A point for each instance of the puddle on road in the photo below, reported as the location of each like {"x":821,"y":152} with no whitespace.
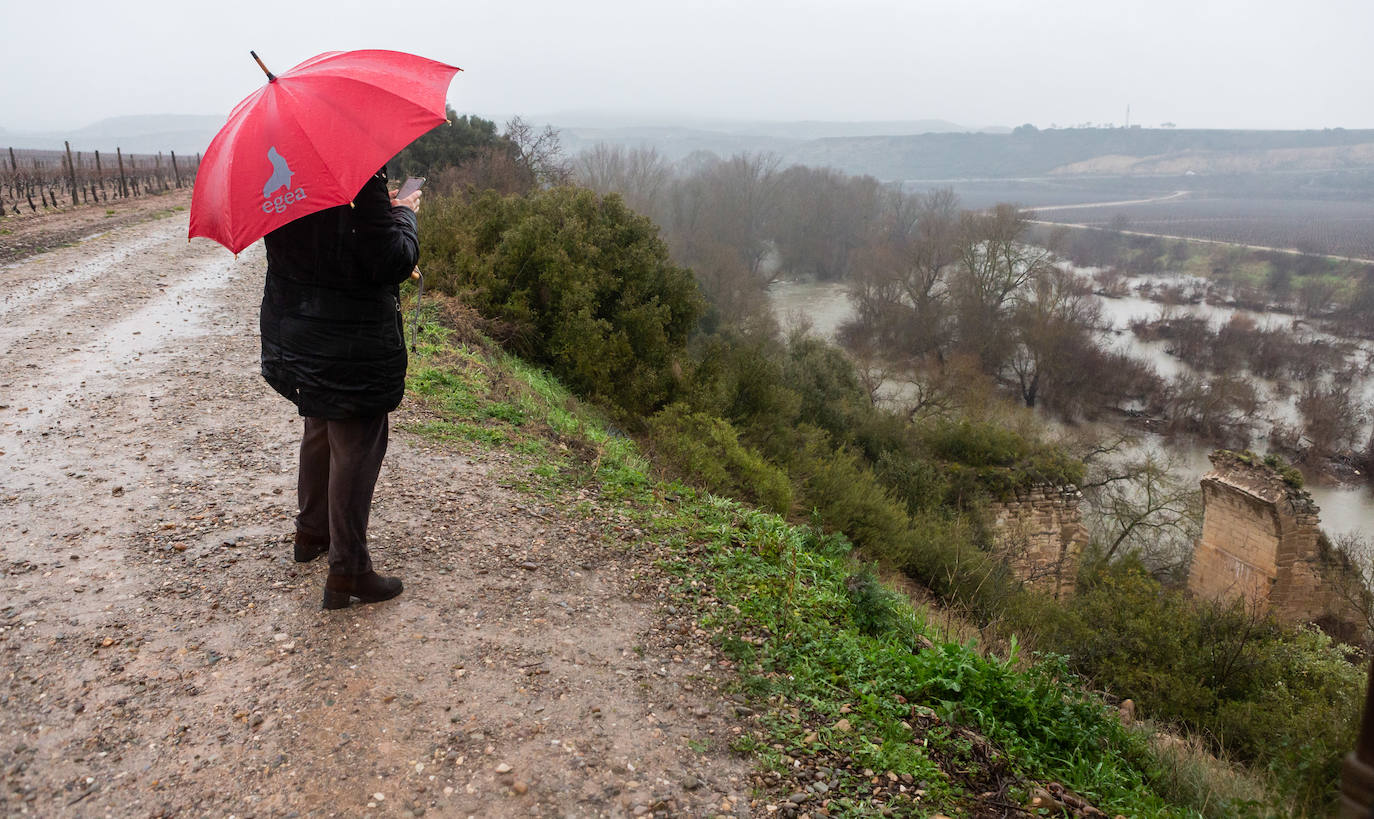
{"x":178,"y":312}
{"x":32,"y":295}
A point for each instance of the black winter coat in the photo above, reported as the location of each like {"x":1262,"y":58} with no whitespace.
{"x":332,"y":331}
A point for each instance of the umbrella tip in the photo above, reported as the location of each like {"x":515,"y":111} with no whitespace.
{"x":270,"y":76}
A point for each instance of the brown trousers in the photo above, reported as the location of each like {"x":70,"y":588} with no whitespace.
{"x":340,"y":461}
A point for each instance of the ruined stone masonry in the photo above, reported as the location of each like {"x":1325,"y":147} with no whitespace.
{"x":1040,"y":533}
{"x":1262,"y":540}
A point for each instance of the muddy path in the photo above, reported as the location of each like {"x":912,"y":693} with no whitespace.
{"x":161,"y":654}
{"x":30,"y":232}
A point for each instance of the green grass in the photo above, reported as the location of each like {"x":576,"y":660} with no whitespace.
{"x":842,"y":672}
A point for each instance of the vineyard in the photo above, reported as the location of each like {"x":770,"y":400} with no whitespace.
{"x":31,"y":180}
{"x":1337,"y":228}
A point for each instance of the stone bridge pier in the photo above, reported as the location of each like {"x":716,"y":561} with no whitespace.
{"x":1262,"y":541}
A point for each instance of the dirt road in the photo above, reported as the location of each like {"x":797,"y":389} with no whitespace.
{"x":162,"y":654}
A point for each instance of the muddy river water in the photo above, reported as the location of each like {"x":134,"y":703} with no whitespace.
{"x":1344,"y":509}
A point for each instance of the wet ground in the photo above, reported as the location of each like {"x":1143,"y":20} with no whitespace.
{"x":160,"y":653}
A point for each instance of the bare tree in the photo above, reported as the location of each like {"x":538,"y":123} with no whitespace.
{"x":539,"y":151}
{"x":993,"y":269}
{"x":1137,"y":505}
{"x":640,"y":175}
{"x":898,"y":286}
{"x":1348,"y":568}
{"x":1218,"y":409}
{"x":1051,"y":321}
{"x":825,"y":216}
{"x":1331,"y":415}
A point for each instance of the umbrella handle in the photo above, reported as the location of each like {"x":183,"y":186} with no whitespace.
{"x":415,"y":324}
{"x":270,"y":76}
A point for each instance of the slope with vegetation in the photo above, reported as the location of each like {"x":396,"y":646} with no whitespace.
{"x":848,"y":679}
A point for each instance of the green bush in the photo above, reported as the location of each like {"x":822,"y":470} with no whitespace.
{"x":982,"y":457}
{"x":846,"y":496}
{"x":1285,"y":701}
{"x":920,"y":483}
{"x":447,"y":146}
{"x":875,"y":607}
{"x":706,"y":451}
{"x":580,"y":283}
{"x":825,"y":380}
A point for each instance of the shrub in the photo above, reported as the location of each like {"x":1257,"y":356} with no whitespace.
{"x":583,"y":284}
{"x":875,"y":607}
{"x":982,"y":456}
{"x":706,"y":451}
{"x":446,"y":146}
{"x":846,"y":495}
{"x":1284,"y":701}
{"x":939,"y":550}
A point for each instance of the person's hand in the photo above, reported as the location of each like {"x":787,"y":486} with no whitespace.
{"x":412,"y":201}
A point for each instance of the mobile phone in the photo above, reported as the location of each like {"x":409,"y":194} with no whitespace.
{"x":412,"y":184}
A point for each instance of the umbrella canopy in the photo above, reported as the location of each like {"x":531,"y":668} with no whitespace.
{"x":310,"y":138}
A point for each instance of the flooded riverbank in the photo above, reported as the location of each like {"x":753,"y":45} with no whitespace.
{"x":1345,"y":509}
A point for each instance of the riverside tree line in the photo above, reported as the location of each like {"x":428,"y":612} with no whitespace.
{"x":937,"y":289}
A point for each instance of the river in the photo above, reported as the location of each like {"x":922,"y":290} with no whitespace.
{"x":1344,"y":509}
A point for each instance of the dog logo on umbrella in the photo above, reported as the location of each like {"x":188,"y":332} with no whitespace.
{"x":280,"y":178}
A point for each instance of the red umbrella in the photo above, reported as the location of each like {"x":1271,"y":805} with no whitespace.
{"x":310,"y":138}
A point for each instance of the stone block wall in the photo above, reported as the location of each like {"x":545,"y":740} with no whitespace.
{"x":1262,"y":540}
{"x":1236,"y":555}
{"x":1040,"y":533}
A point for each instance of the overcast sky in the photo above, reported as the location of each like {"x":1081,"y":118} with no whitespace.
{"x":1197,"y":63}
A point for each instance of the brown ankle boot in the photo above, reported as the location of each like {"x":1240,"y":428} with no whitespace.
{"x":369,"y":588}
{"x":309,"y":547}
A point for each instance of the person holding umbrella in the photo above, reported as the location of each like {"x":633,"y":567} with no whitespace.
{"x":297,"y":162}
{"x":332,"y":343}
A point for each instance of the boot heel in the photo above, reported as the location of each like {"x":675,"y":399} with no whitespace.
{"x":335,"y":599}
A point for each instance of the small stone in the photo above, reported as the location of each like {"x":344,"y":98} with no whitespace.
{"x":529,"y":566}
{"x":691,"y":783}
{"x":377,"y":797}
{"x":843,"y":726}
{"x":503,"y":768}
{"x":799,"y":797}
{"x":520,"y":788}
{"x":1127,"y":712}
{"x":743,"y":711}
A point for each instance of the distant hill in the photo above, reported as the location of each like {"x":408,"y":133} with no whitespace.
{"x":1029,"y":153}
{"x":942,"y":150}
{"x":679,"y":137}
{"x":134,"y":134}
